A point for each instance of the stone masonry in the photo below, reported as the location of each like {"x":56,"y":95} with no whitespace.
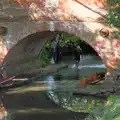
{"x":83,"y":18}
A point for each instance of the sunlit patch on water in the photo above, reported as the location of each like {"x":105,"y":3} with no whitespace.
{"x":93,"y":66}
{"x":89,"y":66}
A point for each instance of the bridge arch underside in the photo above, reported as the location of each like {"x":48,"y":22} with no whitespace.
{"x":89,"y":32}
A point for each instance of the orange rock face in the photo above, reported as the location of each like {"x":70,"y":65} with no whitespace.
{"x":92,"y":79}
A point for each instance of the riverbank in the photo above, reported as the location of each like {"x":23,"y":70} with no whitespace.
{"x":31,"y":102}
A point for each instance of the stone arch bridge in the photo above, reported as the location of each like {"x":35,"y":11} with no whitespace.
{"x":21,"y":20}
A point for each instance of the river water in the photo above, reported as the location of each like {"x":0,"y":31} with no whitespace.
{"x":39,"y":102}
{"x":65,"y":82}
{"x":68,"y":79}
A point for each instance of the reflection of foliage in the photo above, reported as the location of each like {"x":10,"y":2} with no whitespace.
{"x":73,"y":103}
{"x":114,"y":13}
{"x":111,"y":111}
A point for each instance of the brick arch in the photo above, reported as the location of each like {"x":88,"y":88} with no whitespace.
{"x":77,"y":29}
{"x":45,"y":15}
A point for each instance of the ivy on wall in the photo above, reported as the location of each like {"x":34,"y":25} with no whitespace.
{"x":114,"y":13}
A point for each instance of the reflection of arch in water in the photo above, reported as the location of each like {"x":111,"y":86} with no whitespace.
{"x":51,"y":85}
{"x":75,"y":103}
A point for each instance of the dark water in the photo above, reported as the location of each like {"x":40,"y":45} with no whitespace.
{"x":65,"y":82}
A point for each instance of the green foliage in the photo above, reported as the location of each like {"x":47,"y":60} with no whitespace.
{"x":48,"y":45}
{"x":114,"y":18}
{"x":66,"y":39}
{"x":113,"y":2}
{"x":69,"y":39}
{"x":111,"y":111}
{"x":114,"y":13}
{"x":45,"y":59}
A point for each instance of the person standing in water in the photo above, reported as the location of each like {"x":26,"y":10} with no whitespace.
{"x":53,"y":49}
{"x":77,"y":53}
{"x":56,"y":49}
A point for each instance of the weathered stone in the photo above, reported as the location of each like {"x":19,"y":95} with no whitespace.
{"x":23,"y":18}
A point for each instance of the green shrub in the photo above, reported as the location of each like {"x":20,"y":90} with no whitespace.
{"x":110,"y":111}
{"x":45,"y":59}
{"x":113,"y":16}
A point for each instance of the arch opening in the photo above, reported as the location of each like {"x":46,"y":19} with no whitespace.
{"x":35,"y":46}
{"x":31,"y":47}
{"x":33,"y":55}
